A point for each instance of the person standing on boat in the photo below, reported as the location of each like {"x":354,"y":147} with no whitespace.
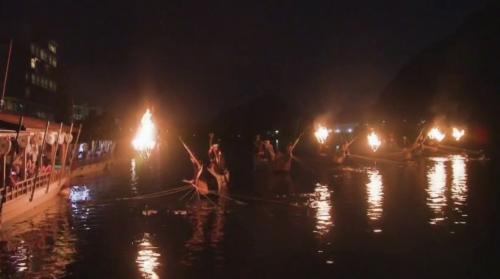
{"x":269,"y":151}
{"x":215,"y":156}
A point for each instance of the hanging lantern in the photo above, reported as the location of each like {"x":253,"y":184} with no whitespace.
{"x":51,"y":138}
{"x":61,"y":138}
{"x":5,"y":145}
{"x":68,"y":138}
{"x":38,"y":138}
{"x":23,"y":141}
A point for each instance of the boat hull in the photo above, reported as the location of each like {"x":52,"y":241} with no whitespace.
{"x":21,"y":205}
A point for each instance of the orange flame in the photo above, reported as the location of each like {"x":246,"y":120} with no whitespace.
{"x":458,"y":134}
{"x":322,"y":134}
{"x":145,"y":139}
{"x":436,"y":134}
{"x":374,"y":141}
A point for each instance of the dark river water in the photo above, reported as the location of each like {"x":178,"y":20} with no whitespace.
{"x":435,"y":218}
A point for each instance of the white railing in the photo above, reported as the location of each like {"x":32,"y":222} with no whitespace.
{"x":25,"y":187}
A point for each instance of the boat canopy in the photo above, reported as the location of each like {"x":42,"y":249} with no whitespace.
{"x":10,"y":121}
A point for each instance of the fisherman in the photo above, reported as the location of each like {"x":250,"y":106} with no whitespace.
{"x":216,"y":158}
{"x":269,"y":151}
{"x":217,"y":166}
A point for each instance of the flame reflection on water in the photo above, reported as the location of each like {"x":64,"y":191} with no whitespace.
{"x":133,"y":176}
{"x":436,"y":180}
{"x":320,"y":200}
{"x":459,"y":186}
{"x":375,"y":198}
{"x":147,"y":258}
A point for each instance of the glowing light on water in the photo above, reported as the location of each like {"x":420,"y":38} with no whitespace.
{"x":436,"y":134}
{"x":148,"y":258}
{"x":375,"y":197}
{"x":458,"y":134}
{"x":374,"y":141}
{"x":133,"y":176}
{"x":79,"y":193}
{"x":145,"y":138}
{"x":436,"y":186}
{"x":322,"y":133}
{"x":459,"y":186}
{"x":321,"y":201}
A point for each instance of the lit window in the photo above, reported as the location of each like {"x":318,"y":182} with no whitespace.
{"x":33,"y":62}
{"x":52,"y":48}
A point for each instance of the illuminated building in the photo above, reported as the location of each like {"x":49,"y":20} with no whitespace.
{"x":82,"y":112}
{"x":33,"y":84}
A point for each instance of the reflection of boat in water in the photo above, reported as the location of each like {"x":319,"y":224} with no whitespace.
{"x":208,"y":224}
{"x":40,"y":247}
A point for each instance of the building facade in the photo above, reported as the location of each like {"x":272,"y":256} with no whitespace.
{"x":33,"y":86}
{"x":83,"y":112}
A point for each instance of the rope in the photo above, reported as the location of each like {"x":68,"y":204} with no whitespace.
{"x":266,"y":200}
{"x":157,"y":194}
{"x":231,"y":199}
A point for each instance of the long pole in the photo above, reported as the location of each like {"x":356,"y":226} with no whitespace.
{"x":21,"y":120}
{"x":16,"y":150}
{"x":2,"y":101}
{"x":74,"y":148}
{"x":4,"y":184}
{"x":54,"y":156}
{"x":65,"y":156}
{"x":37,"y":171}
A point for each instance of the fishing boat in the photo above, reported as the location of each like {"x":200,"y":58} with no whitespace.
{"x":202,"y":176}
{"x":36,"y":160}
{"x":266,"y":159}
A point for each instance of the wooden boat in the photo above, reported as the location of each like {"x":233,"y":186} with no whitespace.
{"x":266,"y":159}
{"x":200,"y":181}
{"x":29,"y":154}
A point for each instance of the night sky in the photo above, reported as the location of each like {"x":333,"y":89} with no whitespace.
{"x":204,"y":56}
